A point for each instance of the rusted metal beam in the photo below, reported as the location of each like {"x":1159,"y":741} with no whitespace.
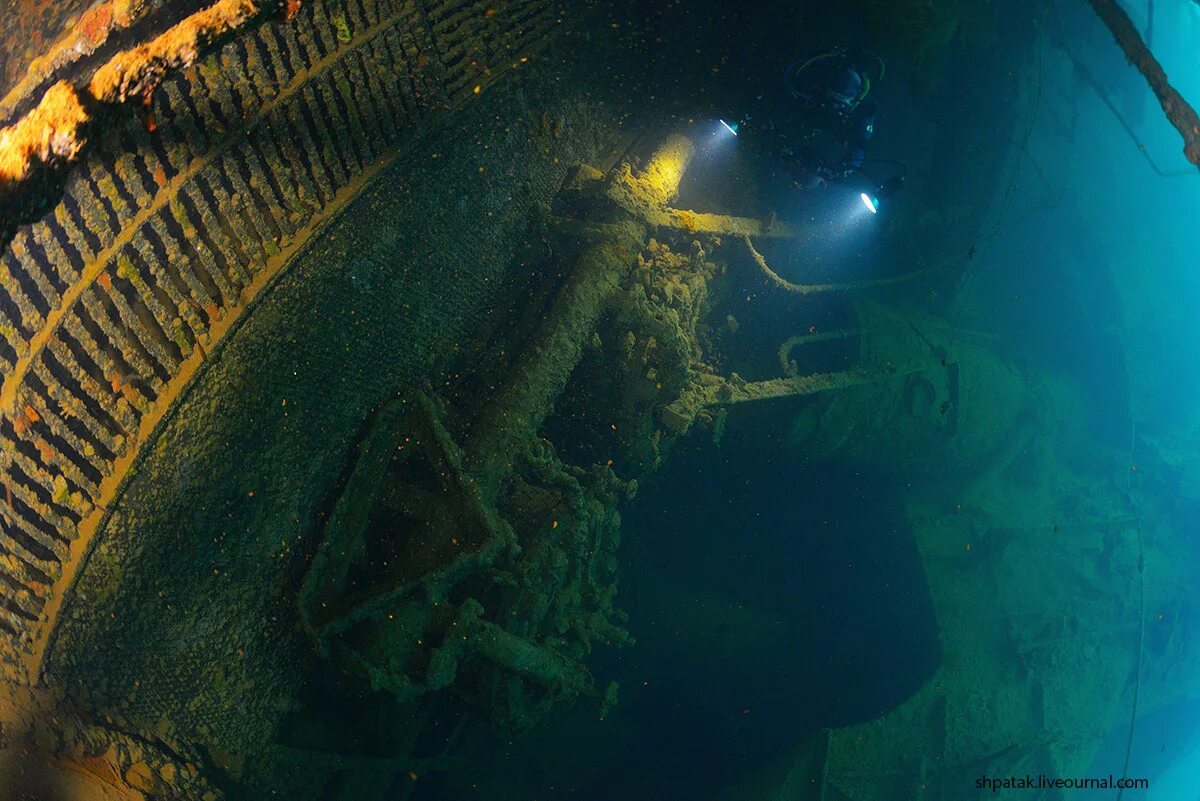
{"x":1177,"y":109}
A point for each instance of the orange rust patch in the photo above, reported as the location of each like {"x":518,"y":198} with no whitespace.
{"x":100,"y":766}
{"x":95,"y":24}
{"x":45,"y":451}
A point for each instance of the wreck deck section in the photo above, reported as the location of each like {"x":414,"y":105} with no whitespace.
{"x":175,"y":223}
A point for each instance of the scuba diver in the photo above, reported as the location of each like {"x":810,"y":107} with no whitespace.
{"x":825,"y":117}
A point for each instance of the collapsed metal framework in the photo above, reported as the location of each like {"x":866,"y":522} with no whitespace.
{"x":112,"y":300}
{"x":466,"y":552}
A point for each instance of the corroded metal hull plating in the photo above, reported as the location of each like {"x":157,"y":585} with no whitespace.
{"x":110,"y":303}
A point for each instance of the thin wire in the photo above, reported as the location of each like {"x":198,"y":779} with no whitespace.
{"x":1137,"y":668}
{"x":1087,"y":77}
{"x":818,"y":289}
{"x":1010,"y":191}
{"x":892,"y":162}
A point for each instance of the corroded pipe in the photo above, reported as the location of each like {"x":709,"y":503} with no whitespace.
{"x":1178,"y":111}
{"x":658,"y":183}
{"x":512,"y":418}
{"x":543,"y":665}
{"x":515,"y":414}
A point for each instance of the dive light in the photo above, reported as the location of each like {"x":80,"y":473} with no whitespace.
{"x":887,"y":189}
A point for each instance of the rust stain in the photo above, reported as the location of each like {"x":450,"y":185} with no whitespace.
{"x":96,"y":24}
{"x":44,"y":451}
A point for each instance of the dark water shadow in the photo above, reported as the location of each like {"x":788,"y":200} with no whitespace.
{"x":771,"y":598}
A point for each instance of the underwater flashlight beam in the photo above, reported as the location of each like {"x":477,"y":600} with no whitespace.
{"x":888,"y":188}
{"x":731,"y":128}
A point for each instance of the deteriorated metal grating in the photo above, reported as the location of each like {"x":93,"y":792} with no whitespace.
{"x":109,"y":302}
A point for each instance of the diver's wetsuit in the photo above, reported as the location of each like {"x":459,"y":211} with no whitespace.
{"x":824,"y":120}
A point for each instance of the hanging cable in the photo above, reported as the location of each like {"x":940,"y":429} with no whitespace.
{"x":1141,"y":566}
{"x":1010,"y":191}
{"x":1174,"y":106}
{"x":1088,"y":78}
